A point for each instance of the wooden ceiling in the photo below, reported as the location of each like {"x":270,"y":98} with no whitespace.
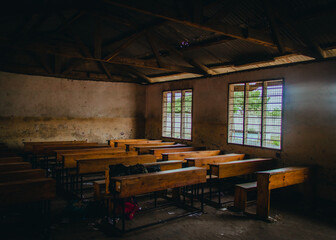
{"x":142,"y":41}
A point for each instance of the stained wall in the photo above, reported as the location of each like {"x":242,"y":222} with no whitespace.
{"x":35,"y":108}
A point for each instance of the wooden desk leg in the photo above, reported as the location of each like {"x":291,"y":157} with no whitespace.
{"x":210,"y":183}
{"x":263,"y":200}
{"x":240,"y":199}
{"x":176,"y":194}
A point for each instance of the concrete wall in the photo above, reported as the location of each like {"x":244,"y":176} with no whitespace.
{"x":309,"y":126}
{"x":34,"y":108}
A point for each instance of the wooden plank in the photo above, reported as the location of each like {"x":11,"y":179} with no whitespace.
{"x":242,"y":167}
{"x":113,"y":142}
{"x":123,"y":144}
{"x":132,"y":185}
{"x":277,"y":178}
{"x":69,"y":160}
{"x":145,"y":149}
{"x":85,"y":166}
{"x":39,"y":148}
{"x":49,"y":151}
{"x":131,"y":146}
{"x":11,"y":159}
{"x":284,"y":177}
{"x":6,"y":167}
{"x":26,"y":191}
{"x":164,"y":166}
{"x":158,"y":151}
{"x":204,"y":161}
{"x":108,"y":149}
{"x":167,"y":165}
{"x":21,"y":175}
{"x":28,"y":146}
{"x":190,"y":154}
{"x":6,"y":153}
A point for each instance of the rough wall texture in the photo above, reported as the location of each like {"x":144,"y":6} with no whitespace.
{"x":34,"y":108}
{"x":309,"y":122}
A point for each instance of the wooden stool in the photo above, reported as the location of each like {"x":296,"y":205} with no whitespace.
{"x":241,"y":194}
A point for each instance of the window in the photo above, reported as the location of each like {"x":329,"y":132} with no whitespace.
{"x":177,"y":114}
{"x":255,"y":113}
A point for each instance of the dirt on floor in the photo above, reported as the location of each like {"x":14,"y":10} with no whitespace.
{"x":291,"y":218}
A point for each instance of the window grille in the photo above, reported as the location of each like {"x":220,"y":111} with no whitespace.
{"x":177,"y":114}
{"x":255,"y":113}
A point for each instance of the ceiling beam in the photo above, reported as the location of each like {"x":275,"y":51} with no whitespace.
{"x":42,"y":60}
{"x":274,"y":27}
{"x":254,"y":36}
{"x":313,"y":49}
{"x":124,"y":45}
{"x":130,"y":37}
{"x":76,"y":75}
{"x":190,"y":61}
{"x":223,"y":12}
{"x":71,"y":52}
{"x":154,"y":48}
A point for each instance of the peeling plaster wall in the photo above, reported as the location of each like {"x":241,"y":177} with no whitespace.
{"x":309,"y":122}
{"x":34,"y":108}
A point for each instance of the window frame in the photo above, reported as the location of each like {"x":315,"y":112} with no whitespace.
{"x":282,"y":112}
{"x":192,"y":113}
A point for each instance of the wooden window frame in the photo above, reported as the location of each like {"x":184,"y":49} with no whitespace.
{"x":262,"y":113}
{"x":182,"y":113}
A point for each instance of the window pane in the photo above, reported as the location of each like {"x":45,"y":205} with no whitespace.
{"x":166,"y":114}
{"x":272,"y":114}
{"x":253,"y":109}
{"x":255,"y":113}
{"x":177,"y":114}
{"x":186,"y":114}
{"x":236,"y":113}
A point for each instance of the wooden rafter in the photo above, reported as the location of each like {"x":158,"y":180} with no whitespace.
{"x":41,"y":60}
{"x":126,"y":43}
{"x":43,"y":47}
{"x":154,"y":48}
{"x":222,"y":12}
{"x":254,"y":36}
{"x":274,"y":27}
{"x":312,"y":49}
{"x":191,"y":61}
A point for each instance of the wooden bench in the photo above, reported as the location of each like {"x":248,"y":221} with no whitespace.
{"x":11,"y":159}
{"x":241,"y":191}
{"x":7,"y":153}
{"x":69,"y":160}
{"x":277,"y":178}
{"x":114,"y":143}
{"x":242,"y":167}
{"x":100,"y":185}
{"x":157,"y":152}
{"x":6,"y":167}
{"x":190,"y":154}
{"x":145,"y":149}
{"x":87,"y":167}
{"x":28,"y":146}
{"x":237,"y":168}
{"x":132,"y":185}
{"x":21,"y":175}
{"x":83,"y":150}
{"x":123,"y":144}
{"x":131,"y":146}
{"x":204,"y":161}
{"x":49,"y":150}
{"x":26,"y":191}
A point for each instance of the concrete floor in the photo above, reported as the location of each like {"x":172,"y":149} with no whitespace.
{"x":291,"y":220}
